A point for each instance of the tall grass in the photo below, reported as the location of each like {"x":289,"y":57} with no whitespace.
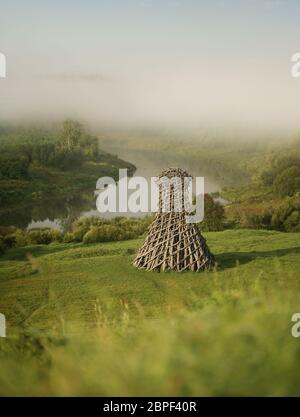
{"x":94,"y":325}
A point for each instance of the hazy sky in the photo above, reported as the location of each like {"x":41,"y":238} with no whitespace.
{"x":155,"y":62}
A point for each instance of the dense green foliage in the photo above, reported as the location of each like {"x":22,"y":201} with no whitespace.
{"x":282,"y":215}
{"x":66,"y":148}
{"x":286,"y":217}
{"x":287,"y":183}
{"x":283,"y":175}
{"x":95,"y":229}
{"x":278,"y":165}
{"x":272,"y":199}
{"x":214,"y":215}
{"x":90,"y":229}
{"x":46,"y":172}
{"x":81,"y":320}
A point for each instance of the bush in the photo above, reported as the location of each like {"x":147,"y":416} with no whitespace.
{"x":69,"y":238}
{"x":292,"y":223}
{"x":81,"y":226}
{"x":281,"y":215}
{"x":86,"y":229}
{"x":44,"y":236}
{"x":214,"y":215}
{"x":9,"y":241}
{"x":2,"y":246}
{"x":286,"y":217}
{"x":21,"y":238}
{"x":7,"y":230}
{"x":287,"y":183}
{"x":107,"y":233}
{"x":250,"y":215}
{"x":96,"y":229}
{"x":257,"y":220}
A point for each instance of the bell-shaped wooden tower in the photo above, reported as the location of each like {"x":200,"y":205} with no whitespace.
{"x":172,"y":243}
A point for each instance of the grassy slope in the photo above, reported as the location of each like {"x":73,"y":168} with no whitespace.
{"x":82,"y":320}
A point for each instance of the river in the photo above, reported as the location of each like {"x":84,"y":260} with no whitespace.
{"x":148,"y":164}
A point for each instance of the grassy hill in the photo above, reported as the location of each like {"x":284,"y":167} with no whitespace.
{"x":82,"y":321}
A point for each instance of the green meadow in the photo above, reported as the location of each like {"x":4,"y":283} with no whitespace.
{"x":81,"y":320}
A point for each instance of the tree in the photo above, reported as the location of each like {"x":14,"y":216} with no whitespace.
{"x":286,"y":216}
{"x":287,"y":183}
{"x":71,"y":134}
{"x":214,"y":215}
{"x":279,"y":165}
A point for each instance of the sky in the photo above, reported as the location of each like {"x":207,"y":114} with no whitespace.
{"x":171,"y":63}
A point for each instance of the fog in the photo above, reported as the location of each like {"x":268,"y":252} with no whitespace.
{"x":176,"y":65}
{"x":178,"y":98}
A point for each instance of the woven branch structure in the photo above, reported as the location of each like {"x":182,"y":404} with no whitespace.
{"x":171,"y":242}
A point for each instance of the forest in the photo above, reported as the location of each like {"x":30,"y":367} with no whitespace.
{"x":45,"y":169}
